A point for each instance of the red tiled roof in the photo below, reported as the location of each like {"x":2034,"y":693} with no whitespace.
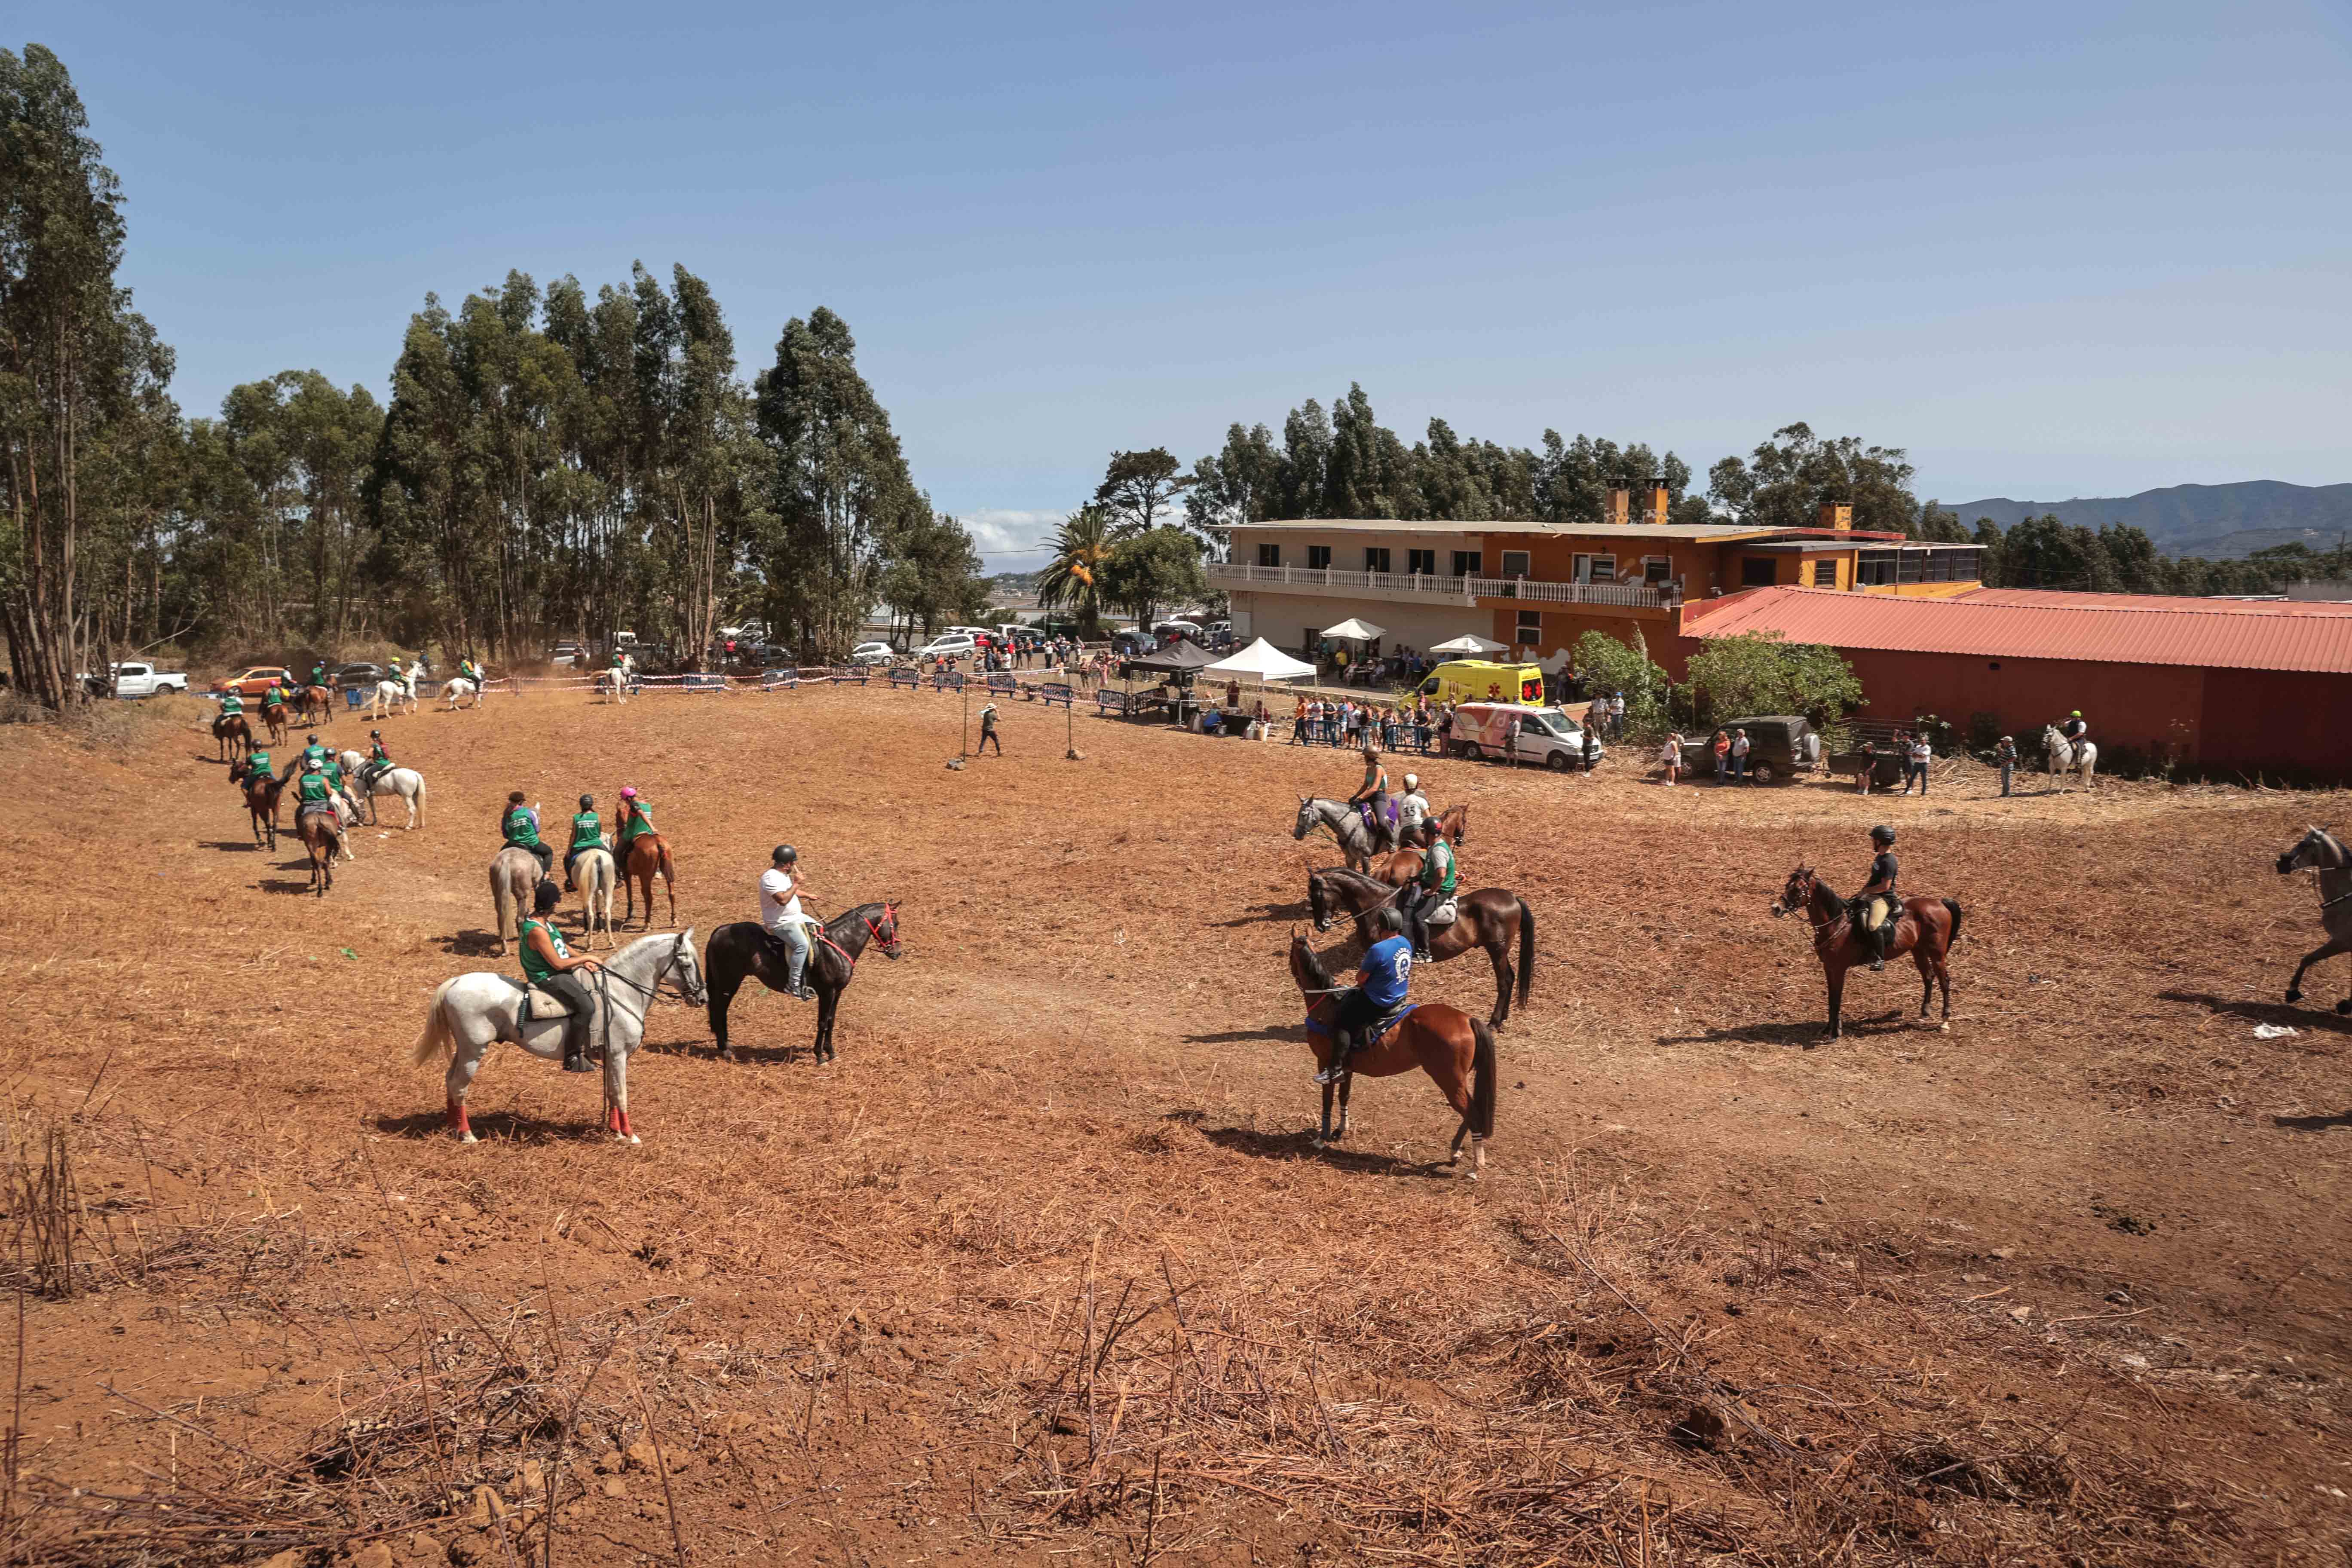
{"x":2020,"y":622}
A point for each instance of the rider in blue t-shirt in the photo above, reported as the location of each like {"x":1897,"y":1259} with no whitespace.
{"x":1382,"y":982}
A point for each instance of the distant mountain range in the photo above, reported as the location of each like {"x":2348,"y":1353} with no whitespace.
{"x":2218,"y":521}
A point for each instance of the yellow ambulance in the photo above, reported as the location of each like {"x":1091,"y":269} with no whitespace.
{"x":1477,"y":680}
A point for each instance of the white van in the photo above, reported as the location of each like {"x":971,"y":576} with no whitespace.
{"x":1546,"y":736}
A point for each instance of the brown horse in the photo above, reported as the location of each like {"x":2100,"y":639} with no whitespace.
{"x":261,"y":791}
{"x":322,"y":838}
{"x":1925,"y":928}
{"x":314,"y":704}
{"x":1455,"y":1049}
{"x":647,"y":854}
{"x":273,"y":717}
{"x":1494,"y":918}
{"x":235,"y":736}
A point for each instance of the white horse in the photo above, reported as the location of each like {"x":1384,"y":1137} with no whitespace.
{"x":389,"y":694}
{"x":2320,"y":850}
{"x":594,"y":874}
{"x":405,"y":783}
{"x":613,"y":685}
{"x":469,"y":1012}
{"x":1346,"y":825}
{"x":459,"y":690}
{"x":2079,"y":757}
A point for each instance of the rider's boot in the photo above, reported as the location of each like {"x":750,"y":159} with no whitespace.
{"x":1878,"y":948}
{"x":796,"y":972}
{"x":1340,"y":1046}
{"x":575,"y":1044}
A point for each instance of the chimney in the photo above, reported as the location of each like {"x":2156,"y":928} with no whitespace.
{"x":1837,"y":514}
{"x":1658,"y":499}
{"x":1620,"y":503}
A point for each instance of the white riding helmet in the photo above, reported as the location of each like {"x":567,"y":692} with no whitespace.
{"x":1413,"y":781}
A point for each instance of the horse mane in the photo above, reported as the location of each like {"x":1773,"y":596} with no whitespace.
{"x":1342,"y":873}
{"x":1314,"y":965}
{"x":1821,"y":885}
{"x":859,"y":912}
{"x":2333,"y":846}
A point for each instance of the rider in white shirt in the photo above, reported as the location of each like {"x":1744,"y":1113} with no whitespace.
{"x":1412,"y":810}
{"x":779,"y":916}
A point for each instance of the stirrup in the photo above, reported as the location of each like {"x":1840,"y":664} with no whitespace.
{"x":579,"y":1063}
{"x":1333,"y":1073}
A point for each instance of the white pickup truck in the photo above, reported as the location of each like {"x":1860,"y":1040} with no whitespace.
{"x":133,"y":679}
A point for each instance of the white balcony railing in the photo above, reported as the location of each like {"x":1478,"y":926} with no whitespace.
{"x":1460,"y":590}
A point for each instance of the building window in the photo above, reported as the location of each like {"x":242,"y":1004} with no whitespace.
{"x":1657,"y":569}
{"x":1318,"y":557}
{"x":1515,"y":563}
{"x":1376,"y":559}
{"x":1530,"y":630}
{"x":1596,"y":569}
{"x":1420,"y":563}
{"x":1269,"y":554}
{"x":1874,"y":568}
{"x":1469,"y":563}
{"x":1756,"y":571}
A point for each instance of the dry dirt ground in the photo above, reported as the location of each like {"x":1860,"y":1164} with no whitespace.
{"x":1045,"y":1269}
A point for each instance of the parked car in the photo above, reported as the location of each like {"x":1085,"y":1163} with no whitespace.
{"x":1546,"y":735}
{"x":254,"y":682}
{"x":1179,"y":628}
{"x":873,"y":653}
{"x":949,"y":644}
{"x":1778,"y":744}
{"x":363,"y":674}
{"x":136,"y":679}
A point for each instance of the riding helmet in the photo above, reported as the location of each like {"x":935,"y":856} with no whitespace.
{"x":375,"y":734}
{"x":786,"y":855}
{"x":587,"y":803}
{"x":1882,"y":834}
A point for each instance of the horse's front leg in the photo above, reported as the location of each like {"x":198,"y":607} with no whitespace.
{"x":1324,"y":1136}
{"x":1837,"y":999}
{"x":828,"y":1002}
{"x":2324,"y":951}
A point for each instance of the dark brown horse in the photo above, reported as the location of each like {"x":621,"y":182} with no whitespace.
{"x":742,"y":951}
{"x":261,"y":791}
{"x":1925,"y":928}
{"x":273,"y":716}
{"x":235,"y":736}
{"x":1455,"y":1049}
{"x":322,"y":839}
{"x":647,"y":854}
{"x":1494,"y":918}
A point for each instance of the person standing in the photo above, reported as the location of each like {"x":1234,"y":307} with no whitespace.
{"x":1739,"y":749}
{"x":1616,"y":715}
{"x":780,"y":887}
{"x":988,"y":731}
{"x":2004,"y":756}
{"x":1511,"y":739}
{"x":1671,"y":754}
{"x":1591,"y":747}
{"x":1918,"y":756}
{"x":1721,"y":747}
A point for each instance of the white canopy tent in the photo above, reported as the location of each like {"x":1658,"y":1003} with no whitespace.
{"x":1471,"y":645}
{"x":1262,"y":661}
{"x":1354,"y":630}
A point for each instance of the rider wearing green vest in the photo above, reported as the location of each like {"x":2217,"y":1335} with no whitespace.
{"x":635,"y":823}
{"x":319,"y":673}
{"x":273,"y":696}
{"x":256,"y":765}
{"x":378,"y":763}
{"x":232,"y":704}
{"x":1433,"y":887}
{"x":311,"y":793}
{"x":587,"y":833}
{"x":549,"y":965}
{"x":518,"y":824}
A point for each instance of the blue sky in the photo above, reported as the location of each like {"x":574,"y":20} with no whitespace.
{"x":2053,"y":249}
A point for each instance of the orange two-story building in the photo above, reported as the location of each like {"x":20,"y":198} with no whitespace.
{"x":1536,"y":587}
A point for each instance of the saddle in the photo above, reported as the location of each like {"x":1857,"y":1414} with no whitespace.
{"x":539,"y":1005}
{"x":1443,"y":914}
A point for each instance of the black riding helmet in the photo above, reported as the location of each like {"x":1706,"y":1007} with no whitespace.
{"x":1882,"y":834}
{"x":546,"y":899}
{"x":587,"y":803}
{"x":785,"y":854}
{"x":375,"y":734}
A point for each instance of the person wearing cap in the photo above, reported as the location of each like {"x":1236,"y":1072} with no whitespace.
{"x":988,"y":730}
{"x":587,"y":833}
{"x":781,"y":919}
{"x":2005,"y":757}
{"x":636,"y":823}
{"x":550,"y":966}
{"x":1873,"y":910}
{"x":1412,"y":814}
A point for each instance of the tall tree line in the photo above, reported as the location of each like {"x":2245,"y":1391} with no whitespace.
{"x":547,"y":465}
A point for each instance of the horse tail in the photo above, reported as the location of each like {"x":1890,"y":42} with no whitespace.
{"x":502,"y":898}
{"x":668,"y":867}
{"x":1483,"y":1073}
{"x":436,"y":1040}
{"x":1527,"y":950}
{"x":1954,"y":939}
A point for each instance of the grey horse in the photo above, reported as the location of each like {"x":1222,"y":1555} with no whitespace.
{"x":2320,"y":851}
{"x":514,"y":879}
{"x":1347,"y":825}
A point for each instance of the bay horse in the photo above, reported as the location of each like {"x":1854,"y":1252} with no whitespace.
{"x":469,"y":1013}
{"x":741,"y":951}
{"x":273,"y":718}
{"x":2320,"y":850}
{"x":649,"y":853}
{"x":1926,"y":927}
{"x":322,"y":837}
{"x":261,"y":788}
{"x":1491,"y":918}
{"x":1453,"y":824}
{"x":514,"y":881}
{"x":235,"y":736}
{"x":1455,"y":1049}
{"x":314,"y":704}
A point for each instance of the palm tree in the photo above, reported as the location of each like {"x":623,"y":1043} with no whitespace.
{"x":1082,"y":547}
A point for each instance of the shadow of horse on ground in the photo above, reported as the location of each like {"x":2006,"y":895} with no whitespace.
{"x":1808,"y":1033}
{"x":1294,"y":910}
{"x":2294,"y":1016}
{"x":475,"y":943}
{"x":489,"y":1126}
{"x":2313,"y":1123}
{"x":1300,"y":1145}
{"x":1297,"y":1032}
{"x":246,"y":844}
{"x":287,"y":885}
